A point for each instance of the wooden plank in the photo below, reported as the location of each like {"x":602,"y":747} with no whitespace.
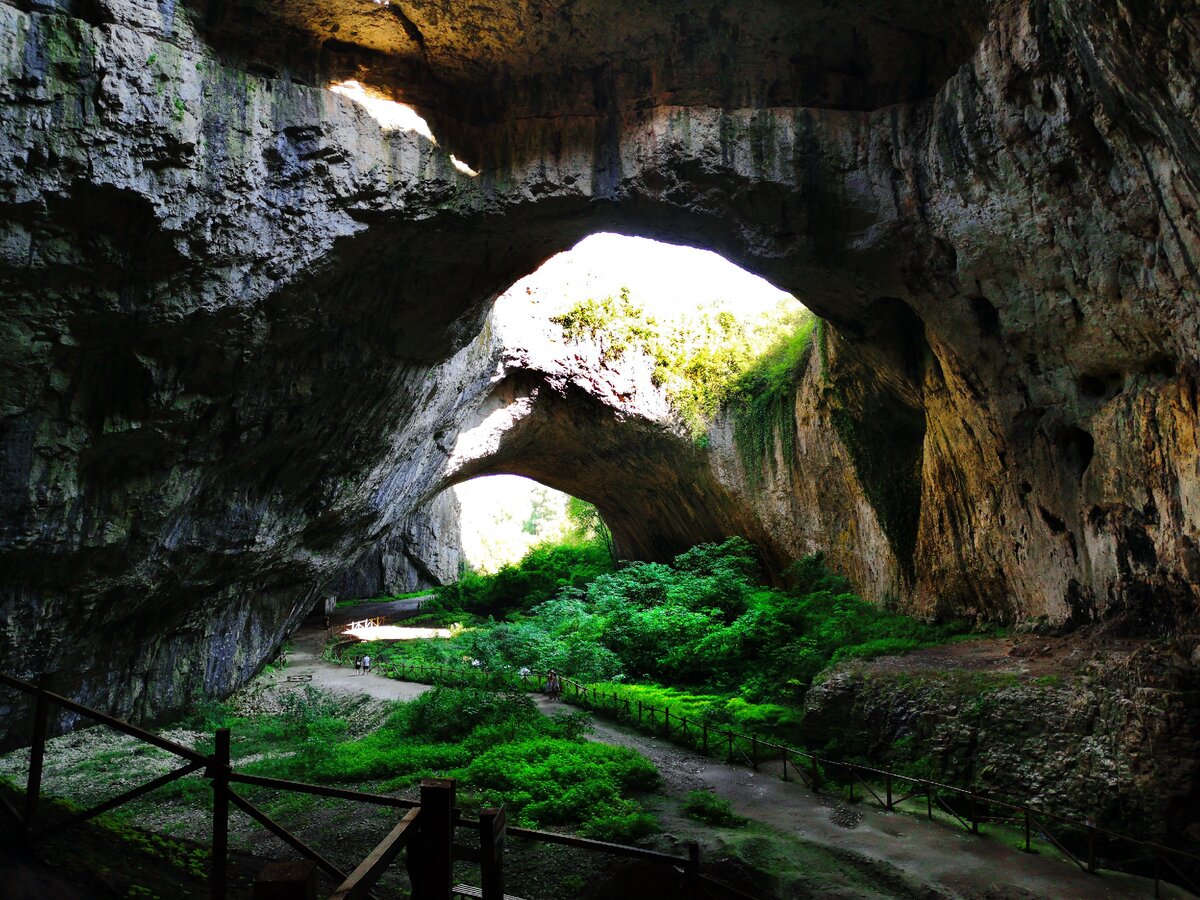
{"x":37,"y":755}
{"x":569,"y":840}
{"x":286,"y":836}
{"x":492,"y":824}
{"x":466,"y":890}
{"x":322,"y":790}
{"x":218,"y":771}
{"x":431,"y":867}
{"x":363,"y":878}
{"x":103,"y":719}
{"x":119,"y":800}
{"x":7,"y":807}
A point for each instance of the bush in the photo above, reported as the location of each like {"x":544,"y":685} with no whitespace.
{"x":704,"y":621}
{"x":706,"y":806}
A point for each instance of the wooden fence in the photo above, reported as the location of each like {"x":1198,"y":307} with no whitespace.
{"x":375,"y":622}
{"x":1087,"y":845}
{"x":427,"y":826}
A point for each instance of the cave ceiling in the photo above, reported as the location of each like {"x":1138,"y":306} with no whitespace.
{"x":486,"y":62}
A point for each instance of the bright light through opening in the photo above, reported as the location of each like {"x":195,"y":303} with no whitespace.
{"x":389,"y":114}
{"x":462,"y":166}
{"x":396,"y":633}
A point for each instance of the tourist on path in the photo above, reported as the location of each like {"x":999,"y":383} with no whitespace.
{"x":366,"y":665}
{"x":358,"y":663}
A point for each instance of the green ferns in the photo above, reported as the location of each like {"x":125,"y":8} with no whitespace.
{"x":705,"y":621}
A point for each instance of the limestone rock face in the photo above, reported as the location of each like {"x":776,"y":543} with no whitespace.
{"x":424,"y":551}
{"x":241,"y":330}
{"x":1114,"y":744}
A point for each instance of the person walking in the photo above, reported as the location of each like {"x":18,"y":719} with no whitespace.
{"x":358,"y":665}
{"x":553,"y":685}
{"x":366,"y":665}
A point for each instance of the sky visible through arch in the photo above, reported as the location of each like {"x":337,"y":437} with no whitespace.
{"x":671,"y":282}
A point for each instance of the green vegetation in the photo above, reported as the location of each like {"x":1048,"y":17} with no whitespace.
{"x":344,"y":604}
{"x":762,"y":398}
{"x":705,"y":806}
{"x":706,"y":621}
{"x":499,"y":747}
{"x":584,"y":554}
{"x":700,"y":361}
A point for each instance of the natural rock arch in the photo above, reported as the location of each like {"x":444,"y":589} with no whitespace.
{"x":231,"y":302}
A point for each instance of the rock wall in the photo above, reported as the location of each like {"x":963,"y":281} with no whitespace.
{"x":1112,"y":741}
{"x":241,"y":330}
{"x":424,"y":551}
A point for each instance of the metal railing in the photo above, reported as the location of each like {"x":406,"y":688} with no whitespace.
{"x":1084,"y":843}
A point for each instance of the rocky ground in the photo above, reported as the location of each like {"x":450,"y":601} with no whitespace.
{"x":797,"y":844}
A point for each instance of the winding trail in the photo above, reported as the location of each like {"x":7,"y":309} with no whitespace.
{"x":935,"y":860}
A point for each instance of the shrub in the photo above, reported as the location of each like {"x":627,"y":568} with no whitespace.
{"x":705,"y":806}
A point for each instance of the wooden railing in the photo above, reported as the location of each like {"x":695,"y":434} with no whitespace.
{"x":374,"y":622}
{"x":1086,"y":844}
{"x":428,"y":826}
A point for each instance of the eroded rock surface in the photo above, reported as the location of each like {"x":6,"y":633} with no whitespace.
{"x":240,"y":322}
{"x":1104,"y":735}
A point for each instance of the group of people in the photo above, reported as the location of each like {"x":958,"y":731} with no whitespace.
{"x":362,"y":665}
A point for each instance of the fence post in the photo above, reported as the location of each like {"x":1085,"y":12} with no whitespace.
{"x":754,"y":751}
{"x":1091,"y":848}
{"x":431,"y":868}
{"x":816,"y":775}
{"x":219,"y":773}
{"x":704,"y":728}
{"x":929,"y":802}
{"x":730,"y":733}
{"x":974,"y":817}
{"x":37,"y":753}
{"x":667,"y":722}
{"x":639,"y":712}
{"x":1027,"y":830}
{"x":785,"y":760}
{"x":691,"y":871}
{"x":492,"y":825}
{"x":889,"y":792}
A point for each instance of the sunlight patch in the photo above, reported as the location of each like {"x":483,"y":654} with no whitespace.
{"x":397,"y":633}
{"x":462,"y":166}
{"x":389,"y":114}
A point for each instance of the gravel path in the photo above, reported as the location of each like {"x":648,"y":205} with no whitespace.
{"x":947,"y":861}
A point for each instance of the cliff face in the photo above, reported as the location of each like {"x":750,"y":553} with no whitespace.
{"x":240,"y":325}
{"x":424,"y":551}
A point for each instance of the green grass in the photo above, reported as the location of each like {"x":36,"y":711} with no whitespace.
{"x":345,"y":604}
{"x":705,"y":806}
{"x":498,"y":745}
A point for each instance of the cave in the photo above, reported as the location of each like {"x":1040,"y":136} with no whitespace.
{"x":246,"y":341}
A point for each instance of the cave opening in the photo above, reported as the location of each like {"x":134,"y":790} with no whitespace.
{"x":617,"y":363}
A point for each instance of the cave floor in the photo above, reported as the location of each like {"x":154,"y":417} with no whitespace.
{"x":891,"y":854}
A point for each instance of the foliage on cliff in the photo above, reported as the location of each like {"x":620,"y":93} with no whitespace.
{"x":700,"y":360}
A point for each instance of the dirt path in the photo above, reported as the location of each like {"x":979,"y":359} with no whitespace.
{"x":305,"y":659}
{"x":944,"y":861}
